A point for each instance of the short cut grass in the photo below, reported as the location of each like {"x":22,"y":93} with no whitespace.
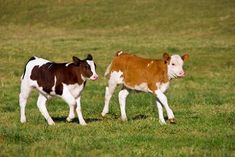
{"x":203,"y":102}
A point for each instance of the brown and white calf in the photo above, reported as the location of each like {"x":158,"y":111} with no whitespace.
{"x":65,"y":80}
{"x":147,"y":75}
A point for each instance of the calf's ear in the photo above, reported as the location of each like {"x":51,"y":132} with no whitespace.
{"x":89,"y":57}
{"x":185,"y":56}
{"x":166,"y":57}
{"x":76,"y":60}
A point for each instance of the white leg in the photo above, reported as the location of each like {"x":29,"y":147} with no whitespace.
{"x":67,"y":96}
{"x":163,"y":100}
{"x":79,"y":112}
{"x":71,"y":113}
{"x":41,"y":103}
{"x":122,"y":101}
{"x":23,"y":96}
{"x":115,"y":78}
{"x":106,"y":101}
{"x":160,"y":114}
{"x":108,"y":95}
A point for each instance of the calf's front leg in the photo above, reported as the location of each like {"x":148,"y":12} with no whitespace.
{"x":160,"y":113}
{"x":162,"y":99}
{"x":72,"y":102}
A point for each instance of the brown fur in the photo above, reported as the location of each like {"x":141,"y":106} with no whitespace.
{"x":71,"y":74}
{"x":185,"y":57}
{"x":137,"y":70}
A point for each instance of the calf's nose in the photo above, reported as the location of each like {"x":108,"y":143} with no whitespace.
{"x":182,"y":73}
{"x":94,"y":77}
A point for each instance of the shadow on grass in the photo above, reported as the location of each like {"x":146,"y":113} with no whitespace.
{"x":75,"y":120}
{"x":140,"y":117}
{"x":137,"y":117}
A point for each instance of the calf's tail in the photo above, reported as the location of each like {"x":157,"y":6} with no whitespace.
{"x":108,"y":70}
{"x":32,"y":58}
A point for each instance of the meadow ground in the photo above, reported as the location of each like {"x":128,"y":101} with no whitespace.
{"x":203,"y":102}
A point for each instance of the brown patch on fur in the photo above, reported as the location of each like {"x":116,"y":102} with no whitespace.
{"x":137,"y":70}
{"x":71,"y":74}
{"x":166,"y":58}
{"x":185,"y":57}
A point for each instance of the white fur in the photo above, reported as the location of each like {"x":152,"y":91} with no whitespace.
{"x":162,"y":99}
{"x":53,"y":88}
{"x":92,"y":65}
{"x":75,"y":89}
{"x":71,"y":95}
{"x":175,"y":67}
{"x":122,"y":101}
{"x":79,"y":112}
{"x":41,"y":103}
{"x":115,"y":78}
{"x":150,"y":64}
{"x":163,"y":86}
{"x":119,"y":53}
{"x":67,"y":64}
{"x":141,"y":87}
{"x":23,"y":96}
{"x":160,"y":113}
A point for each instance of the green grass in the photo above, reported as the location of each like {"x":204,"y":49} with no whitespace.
{"x":203,"y":102}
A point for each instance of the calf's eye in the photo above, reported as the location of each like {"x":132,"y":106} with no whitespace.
{"x":173,"y":64}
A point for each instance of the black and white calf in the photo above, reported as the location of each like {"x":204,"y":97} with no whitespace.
{"x":66,"y":80}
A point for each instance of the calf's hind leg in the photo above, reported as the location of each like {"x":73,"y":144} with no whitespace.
{"x":41,"y":103}
{"x":79,"y":112}
{"x":122,"y":101}
{"x":23,"y":96}
{"x":108,"y":94}
{"x":115,"y":78}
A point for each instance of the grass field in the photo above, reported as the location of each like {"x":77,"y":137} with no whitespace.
{"x":203,"y":102}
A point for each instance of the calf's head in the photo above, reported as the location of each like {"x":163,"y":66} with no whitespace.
{"x":87,"y":67}
{"x":175,"y":65}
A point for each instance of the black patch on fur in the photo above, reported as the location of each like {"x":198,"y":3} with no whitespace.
{"x":45,"y":76}
{"x":89,"y":57}
{"x":59,"y":89}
